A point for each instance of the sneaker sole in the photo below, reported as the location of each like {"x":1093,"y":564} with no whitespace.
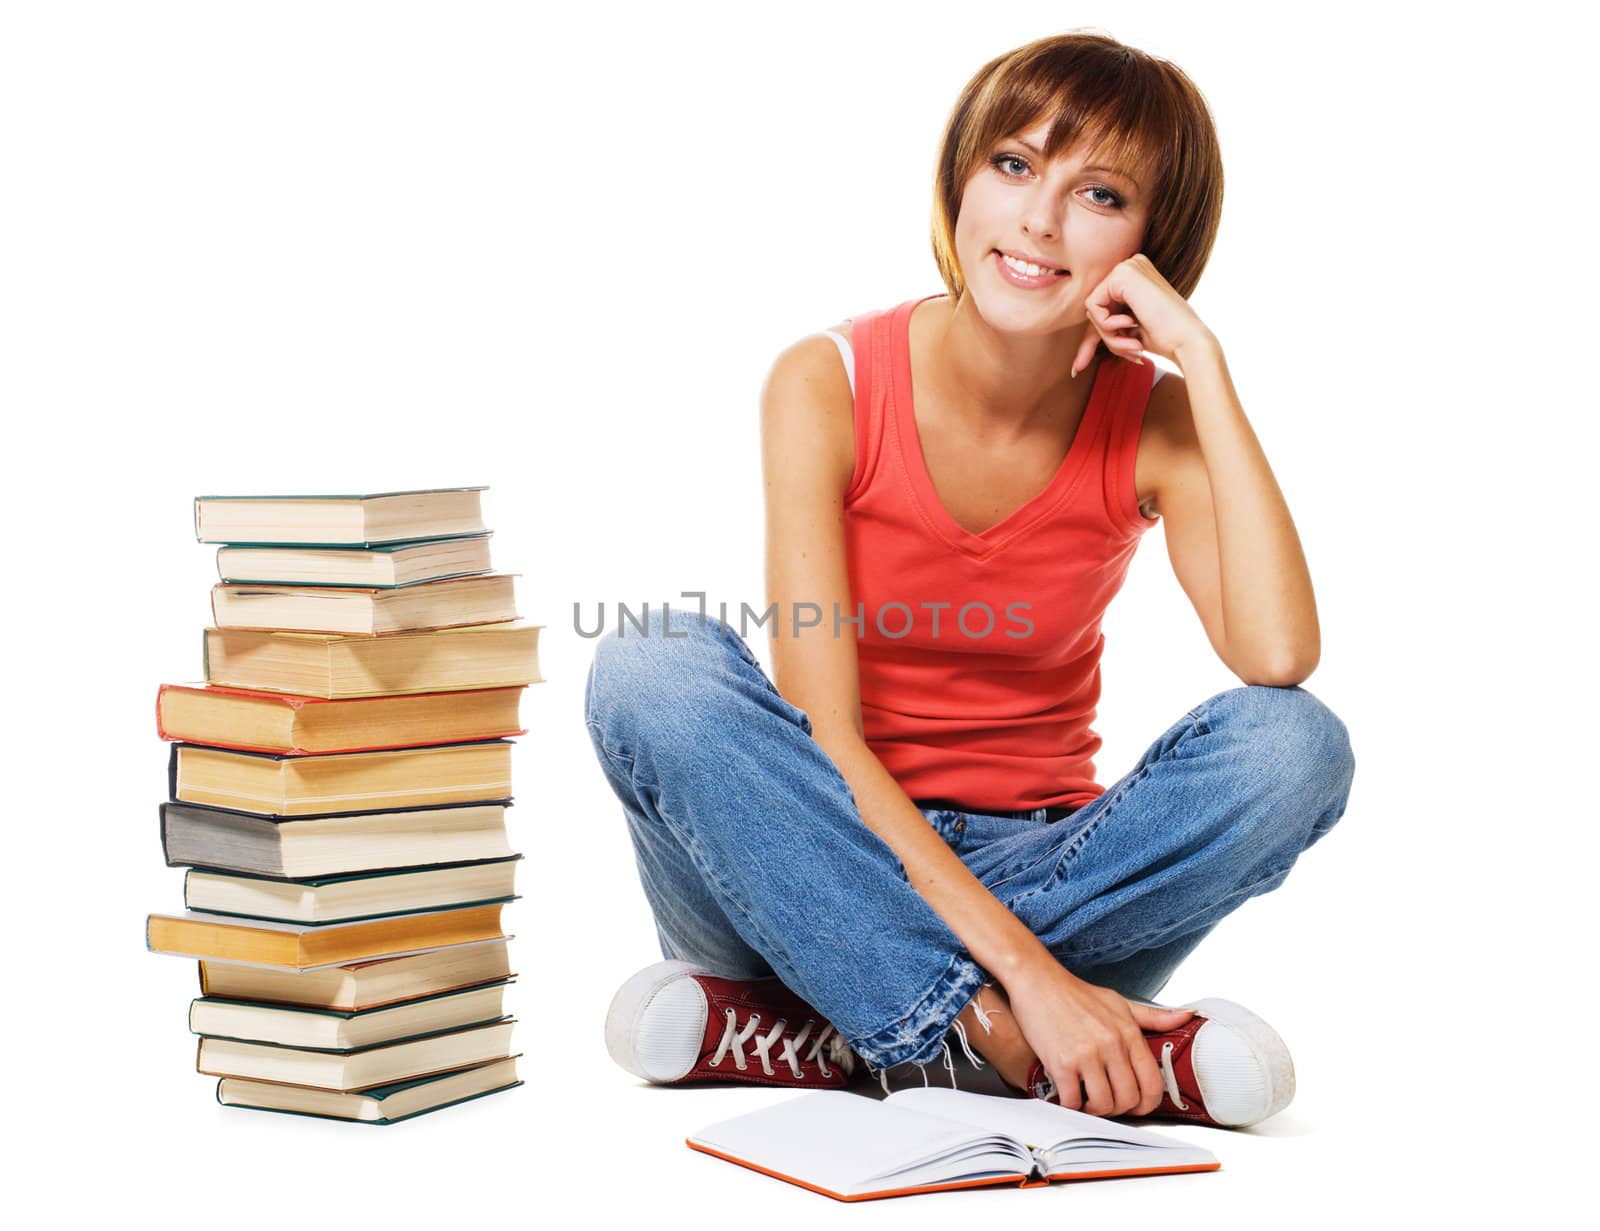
{"x":657,"y":1022}
{"x":1267,"y":1049}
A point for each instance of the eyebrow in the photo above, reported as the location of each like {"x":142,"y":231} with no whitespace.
{"x":1038,"y":153}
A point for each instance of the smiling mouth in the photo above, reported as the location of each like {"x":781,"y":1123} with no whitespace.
{"x":1027,"y":269}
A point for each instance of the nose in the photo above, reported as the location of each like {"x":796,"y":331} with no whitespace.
{"x":1038,"y":214}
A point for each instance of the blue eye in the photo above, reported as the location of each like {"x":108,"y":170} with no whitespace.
{"x":1000,"y":162}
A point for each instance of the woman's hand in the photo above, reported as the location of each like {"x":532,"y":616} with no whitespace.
{"x":1135,"y":309}
{"x":1091,"y":1040}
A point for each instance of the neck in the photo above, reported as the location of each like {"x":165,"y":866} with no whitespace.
{"x":1010,"y":383}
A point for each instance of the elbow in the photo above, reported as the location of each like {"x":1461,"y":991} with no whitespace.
{"x":1282,"y":671}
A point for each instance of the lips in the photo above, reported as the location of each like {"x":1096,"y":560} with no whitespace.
{"x":1020,"y":278}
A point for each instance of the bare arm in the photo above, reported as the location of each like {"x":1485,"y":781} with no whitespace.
{"x":1230,"y":537}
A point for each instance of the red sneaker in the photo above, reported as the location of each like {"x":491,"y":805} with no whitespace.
{"x":1224,"y":1067}
{"x":674,"y":1023}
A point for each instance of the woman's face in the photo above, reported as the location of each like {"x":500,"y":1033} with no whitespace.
{"x":1060,"y":216}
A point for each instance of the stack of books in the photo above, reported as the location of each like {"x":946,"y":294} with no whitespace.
{"x":338,"y":788}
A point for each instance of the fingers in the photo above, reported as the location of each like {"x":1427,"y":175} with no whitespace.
{"x":1148,"y":1073}
{"x":1086,"y":348}
{"x":1120,"y":333}
{"x":1126,"y":1092}
{"x":1069,"y":1091}
{"x":1151,"y":1018}
{"x":1098,"y":1100}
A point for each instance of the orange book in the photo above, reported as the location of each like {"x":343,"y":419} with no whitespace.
{"x":852,"y":1147}
{"x":309,"y":946}
{"x":254,"y":721}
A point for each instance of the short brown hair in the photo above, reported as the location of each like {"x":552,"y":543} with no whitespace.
{"x":1142,"y":112}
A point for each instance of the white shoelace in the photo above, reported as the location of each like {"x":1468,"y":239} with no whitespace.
{"x":1170,"y":1078}
{"x":826,"y":1046}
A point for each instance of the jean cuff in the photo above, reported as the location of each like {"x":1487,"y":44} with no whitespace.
{"x":919,"y":1036}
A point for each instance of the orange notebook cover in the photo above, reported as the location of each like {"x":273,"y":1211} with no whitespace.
{"x":852,"y":1147}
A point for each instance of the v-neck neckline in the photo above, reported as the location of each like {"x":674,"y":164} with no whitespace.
{"x":916,"y":465}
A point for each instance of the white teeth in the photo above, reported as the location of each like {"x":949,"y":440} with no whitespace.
{"x":1023,"y":267}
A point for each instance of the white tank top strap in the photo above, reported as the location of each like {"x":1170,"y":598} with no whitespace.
{"x":845,"y":354}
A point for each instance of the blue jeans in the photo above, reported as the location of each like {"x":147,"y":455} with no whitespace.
{"x":755,"y":859}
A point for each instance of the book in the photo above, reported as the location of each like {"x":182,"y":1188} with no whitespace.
{"x":362,"y":985}
{"x":340,"y":520}
{"x":256,"y":721}
{"x":344,"y":899}
{"x":380,"y":1105}
{"x":307,"y":946}
{"x":387,"y":565}
{"x":341,"y":665}
{"x":854,"y":1148}
{"x":330,"y":1030}
{"x":279,"y":785}
{"x":366,"y":611}
{"x":359,"y":1070}
{"x":299,"y":848}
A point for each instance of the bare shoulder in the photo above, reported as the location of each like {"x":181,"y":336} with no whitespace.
{"x":807,"y":410}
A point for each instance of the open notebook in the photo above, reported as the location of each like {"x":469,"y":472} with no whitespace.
{"x":855,"y":1148}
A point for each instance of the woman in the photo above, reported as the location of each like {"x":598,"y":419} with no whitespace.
{"x":905,"y":837}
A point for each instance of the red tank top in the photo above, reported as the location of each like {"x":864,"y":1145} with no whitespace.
{"x":980,"y":653}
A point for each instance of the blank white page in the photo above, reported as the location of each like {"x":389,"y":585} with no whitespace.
{"x":1031,"y":1121}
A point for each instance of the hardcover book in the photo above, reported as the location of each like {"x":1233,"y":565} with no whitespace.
{"x":336,"y":844}
{"x":360,"y":1070}
{"x":340,"y":520}
{"x":379,"y":1105}
{"x":344,"y":899}
{"x":277,"y":785}
{"x":387,"y":565}
{"x":339,"y":665}
{"x":926,"y":1139}
{"x":254,"y":721}
{"x":366,"y":611}
{"x":308,"y":946}
{"x":331,"y":1031}
{"x":362,"y":985}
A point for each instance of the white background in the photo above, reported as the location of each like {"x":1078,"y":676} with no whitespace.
{"x":341,"y":247}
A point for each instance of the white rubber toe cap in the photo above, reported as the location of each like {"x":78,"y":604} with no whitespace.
{"x":657,"y":1022}
{"x":1243,"y":1068}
